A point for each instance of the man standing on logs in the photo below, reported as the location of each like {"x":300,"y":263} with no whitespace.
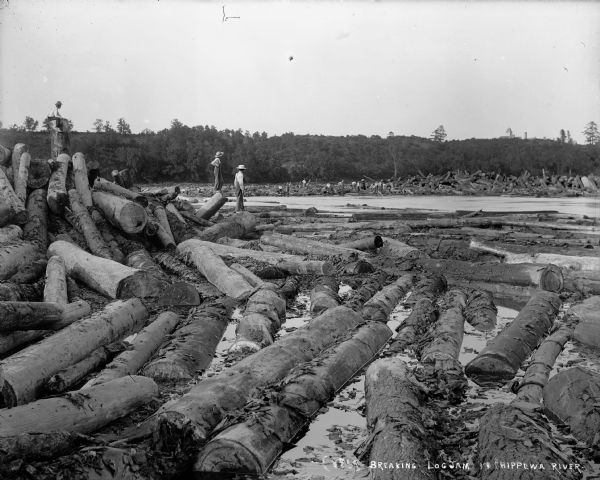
{"x":218,"y":175}
{"x":238,"y":183}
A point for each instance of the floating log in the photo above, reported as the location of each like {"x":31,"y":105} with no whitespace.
{"x":587,"y":314}
{"x":237,"y":225}
{"x":105,"y":186}
{"x":192,"y":346}
{"x":25,"y":372}
{"x":499,"y":361}
{"x":21,"y":177}
{"x":122,"y":213}
{"x":395,"y":412}
{"x":39,"y":173}
{"x":573,"y":396}
{"x":18,"y":150}
{"x":12,"y":210}
{"x":187,"y":421}
{"x":439,"y":367}
{"x":142,"y":348}
{"x":481,"y":311}
{"x":367,"y":243}
{"x":21,"y":292}
{"x":324,"y":294}
{"x":369,"y":287}
{"x":36,"y":228}
{"x":15,"y":316}
{"x":215,"y":270}
{"x":105,"y":276}
{"x":263,"y":315}
{"x":212,"y":206}
{"x":87,"y":226}
{"x":547,"y":277}
{"x":71,"y":376}
{"x":380,"y":307}
{"x":80,"y":178}
{"x":252,"y":446}
{"x":15,"y":255}
{"x":78,"y":411}
{"x":57,"y":196}
{"x":10,"y":233}
{"x":308,"y":247}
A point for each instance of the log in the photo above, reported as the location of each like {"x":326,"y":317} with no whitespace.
{"x":103,"y":185}
{"x":195,"y":219}
{"x":565,"y":261}
{"x":85,"y":224}
{"x":15,"y":316}
{"x":164,"y":238}
{"x":429,"y":287}
{"x":423,"y":314}
{"x":587,"y":314}
{"x":142,"y":260}
{"x":173,"y":209}
{"x":14,"y":255}
{"x":290,"y":288}
{"x":192,"y":346}
{"x":179,"y":227}
{"x":39,"y":173}
{"x":293,"y":264}
{"x":55,"y":290}
{"x":250,"y":277}
{"x":367,"y":243}
{"x":36,"y":228}
{"x":237,"y":225}
{"x":547,"y":277}
{"x":395,"y":422}
{"x":504,"y":294}
{"x":573,"y":396}
{"x":187,"y":421}
{"x":57,"y":197}
{"x":481,"y":311}
{"x":30,"y":272}
{"x":380,"y":307}
{"x":5,"y":156}
{"x":357,"y":268}
{"x":252,"y":446}
{"x":176,"y":267}
{"x":324,"y":294}
{"x":105,"y":276}
{"x":161,"y":216}
{"x":15,"y":292}
{"x":263,"y":316}
{"x":122,"y":213}
{"x":212,"y":206}
{"x":80,"y":178}
{"x":12,"y":210}
{"x":25,"y":372}
{"x":18,"y":150}
{"x":15,"y":340}
{"x":82,"y":412}
{"x":215,"y":270}
{"x":21,"y":177}
{"x":369,"y":287}
{"x":10,"y":233}
{"x":109,"y":235}
{"x":60,"y":142}
{"x":39,"y":446}
{"x":71,"y":376}
{"x":308,"y":247}
{"x":499,"y":361}
{"x":439,"y":367}
{"x":399,"y":255}
{"x":142,"y":348}
{"x":160,"y":191}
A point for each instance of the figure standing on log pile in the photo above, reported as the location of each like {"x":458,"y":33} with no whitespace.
{"x":218,"y":175}
{"x":238,"y":183}
{"x":59,"y":128}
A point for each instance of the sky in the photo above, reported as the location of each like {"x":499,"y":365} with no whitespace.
{"x":331,"y":68}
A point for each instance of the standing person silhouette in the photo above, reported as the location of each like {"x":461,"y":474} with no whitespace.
{"x":217,"y":171}
{"x":238,"y":183}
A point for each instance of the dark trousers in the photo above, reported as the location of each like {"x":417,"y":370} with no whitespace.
{"x":218,"y":180}
{"x":239,"y":193}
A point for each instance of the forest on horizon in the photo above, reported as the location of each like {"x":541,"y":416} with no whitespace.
{"x":182,"y":153}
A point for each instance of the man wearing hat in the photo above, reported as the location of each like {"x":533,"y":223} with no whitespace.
{"x":218,"y":175}
{"x":238,"y":183}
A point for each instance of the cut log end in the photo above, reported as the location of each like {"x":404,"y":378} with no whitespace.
{"x":552,"y":279}
{"x":225,"y":455}
{"x":142,"y":285}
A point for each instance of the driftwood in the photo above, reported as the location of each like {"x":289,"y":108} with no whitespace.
{"x":324,"y":294}
{"x":57,"y":191}
{"x":25,"y":372}
{"x":122,"y":213}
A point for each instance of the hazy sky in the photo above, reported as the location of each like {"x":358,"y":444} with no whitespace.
{"x":358,"y":67}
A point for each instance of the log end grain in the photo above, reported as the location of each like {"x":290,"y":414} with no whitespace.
{"x":490,"y":370}
{"x":142,"y":285}
{"x":133,"y":218}
{"x":551,"y":279}
{"x":226,"y":455}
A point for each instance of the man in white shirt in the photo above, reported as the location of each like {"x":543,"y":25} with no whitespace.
{"x":218,"y":175}
{"x":238,"y":183}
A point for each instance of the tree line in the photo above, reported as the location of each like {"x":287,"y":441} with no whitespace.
{"x":183,"y":153}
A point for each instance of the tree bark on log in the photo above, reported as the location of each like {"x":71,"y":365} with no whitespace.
{"x":105,"y":276}
{"x":395,"y":422}
{"x":324,"y":294}
{"x":249,"y":276}
{"x":252,"y":446}
{"x":215,"y":270}
{"x":429,"y":287}
{"x":364,"y":244}
{"x":18,"y":150}
{"x":187,"y":421}
{"x":499,"y":361}
{"x":147,"y":341}
{"x":122,"y":213}
{"x":10,"y":233}
{"x":87,"y":226}
{"x":179,"y":227}
{"x":142,"y":260}
{"x":15,"y":292}
{"x":14,"y":255}
{"x":21,"y":177}
{"x":15,"y":316}
{"x":109,"y":235}
{"x":25,"y":372}
{"x":36,"y":228}
{"x":381,"y":305}
{"x":39,"y":173}
{"x":587,"y":313}
{"x":173,"y":209}
{"x":12,"y":210}
{"x":423,"y":314}
{"x":212,"y":206}
{"x":290,"y":288}
{"x":165,"y":239}
{"x":263,"y":316}
{"x":481,"y":311}
{"x":308,"y":247}
{"x":370,"y":287}
{"x":176,"y":267}
{"x":105,"y":186}
{"x":236,"y":226}
{"x":547,"y":277}
{"x":30,"y":272}
{"x":192,"y":346}
{"x":80,"y":178}
{"x":573,"y":396}
{"x":13,"y":341}
{"x":78,"y":411}
{"x":161,"y":216}
{"x":69,"y":377}
{"x":57,"y":188}
{"x":195,"y":219}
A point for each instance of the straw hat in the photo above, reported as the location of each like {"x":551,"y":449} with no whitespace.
{"x":219,"y":154}
{"x":241,"y":167}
